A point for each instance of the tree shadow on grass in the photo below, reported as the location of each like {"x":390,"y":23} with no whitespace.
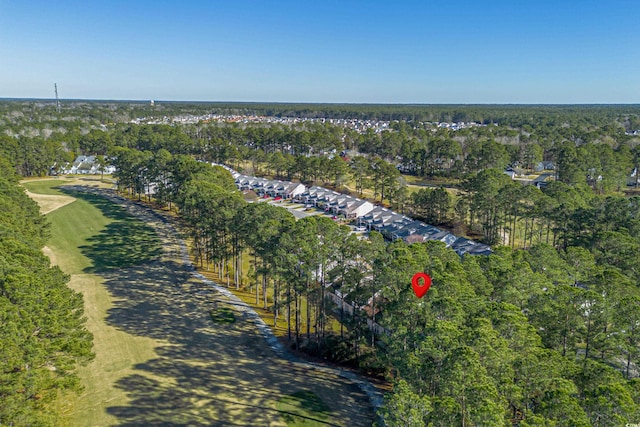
{"x":159,"y":404}
{"x":207,"y":371}
{"x":125,"y":242}
{"x":121,"y":244}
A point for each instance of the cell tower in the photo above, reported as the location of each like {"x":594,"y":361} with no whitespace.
{"x":55,"y":87}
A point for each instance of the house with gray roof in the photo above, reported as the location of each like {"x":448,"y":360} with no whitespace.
{"x":289,"y":190}
{"x":356,"y":208}
{"x":464,"y":246}
{"x":444,"y":236}
{"x":390,"y":224}
{"x":416,"y":231}
{"x":393,"y":224}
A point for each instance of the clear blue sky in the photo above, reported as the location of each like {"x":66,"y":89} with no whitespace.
{"x":357,"y":51}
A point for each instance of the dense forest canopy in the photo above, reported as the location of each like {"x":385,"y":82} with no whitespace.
{"x":546,"y":335}
{"x":42,"y":337}
{"x":545,"y":331}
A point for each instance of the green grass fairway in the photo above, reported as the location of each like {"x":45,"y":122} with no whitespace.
{"x":96,"y":234}
{"x":169,"y":349}
{"x":83,"y":234}
{"x":45,"y":186}
{"x":110,"y":238}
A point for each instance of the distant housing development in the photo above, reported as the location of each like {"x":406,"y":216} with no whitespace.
{"x":358,"y":125}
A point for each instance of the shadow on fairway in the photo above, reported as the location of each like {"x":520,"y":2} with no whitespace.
{"x":208,"y":371}
{"x":124,"y":242}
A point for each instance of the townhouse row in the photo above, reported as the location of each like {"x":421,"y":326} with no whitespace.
{"x":390,"y":224}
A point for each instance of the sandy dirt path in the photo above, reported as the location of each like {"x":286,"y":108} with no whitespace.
{"x":194,"y":371}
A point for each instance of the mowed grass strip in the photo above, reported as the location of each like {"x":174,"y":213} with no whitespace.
{"x":96,"y":234}
{"x":45,"y":186}
{"x":121,"y":240}
{"x":78,"y":231}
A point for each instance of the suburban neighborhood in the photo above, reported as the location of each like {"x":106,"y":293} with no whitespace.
{"x":360,"y":213}
{"x":320,"y":214}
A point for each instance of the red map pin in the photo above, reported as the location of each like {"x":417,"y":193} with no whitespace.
{"x":421,"y":283}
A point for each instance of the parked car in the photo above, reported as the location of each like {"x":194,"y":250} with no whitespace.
{"x":360,"y":228}
{"x":278,"y":198}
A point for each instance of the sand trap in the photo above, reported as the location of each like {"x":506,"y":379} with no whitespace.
{"x":49,"y":202}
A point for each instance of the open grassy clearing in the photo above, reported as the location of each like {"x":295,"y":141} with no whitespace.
{"x":435,"y":181}
{"x":160,"y":356}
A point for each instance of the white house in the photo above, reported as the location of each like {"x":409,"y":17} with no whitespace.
{"x":357,"y":208}
{"x":391,"y":224}
{"x":87,"y":165}
{"x":291,"y":189}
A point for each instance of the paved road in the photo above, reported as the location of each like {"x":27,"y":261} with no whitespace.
{"x":297,"y":210}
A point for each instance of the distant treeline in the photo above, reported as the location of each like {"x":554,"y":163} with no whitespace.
{"x":510,"y":114}
{"x":587,"y":146}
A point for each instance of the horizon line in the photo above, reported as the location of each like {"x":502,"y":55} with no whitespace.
{"x":147,"y":101}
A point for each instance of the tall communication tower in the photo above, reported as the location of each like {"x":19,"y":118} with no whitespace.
{"x":55,"y":87}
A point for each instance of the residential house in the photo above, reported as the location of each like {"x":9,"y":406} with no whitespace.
{"x":356,"y":208}
{"x":326,"y":198}
{"x":88,"y":165}
{"x":444,"y":236}
{"x":337,"y":203}
{"x":290,"y":190}
{"x":512,"y":173}
{"x":415,"y":231}
{"x":310,"y":196}
{"x":392,"y":224}
{"x":465,"y":246}
{"x":372,"y":216}
{"x":271,"y":187}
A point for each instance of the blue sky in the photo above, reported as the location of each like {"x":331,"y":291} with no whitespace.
{"x":355,"y":51}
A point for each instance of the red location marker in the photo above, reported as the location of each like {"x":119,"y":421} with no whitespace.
{"x":420,"y":289}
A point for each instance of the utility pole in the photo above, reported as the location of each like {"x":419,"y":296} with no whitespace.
{"x":55,"y":87}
